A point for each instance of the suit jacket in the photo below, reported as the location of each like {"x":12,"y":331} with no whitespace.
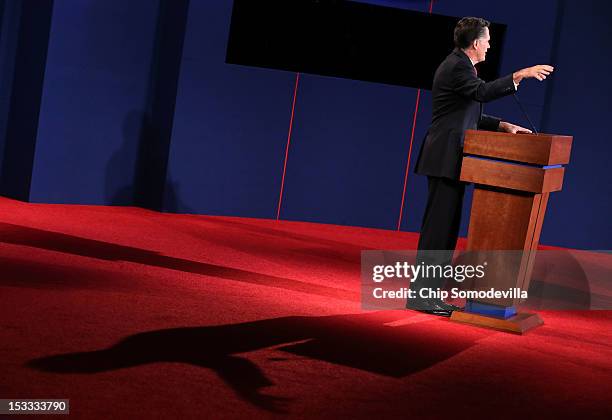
{"x":458,"y":95}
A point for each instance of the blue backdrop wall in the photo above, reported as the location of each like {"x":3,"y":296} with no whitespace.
{"x":230,"y":126}
{"x":129,"y":95}
{"x":94,"y":95}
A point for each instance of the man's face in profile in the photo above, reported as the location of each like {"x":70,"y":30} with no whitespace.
{"x":482,"y":45}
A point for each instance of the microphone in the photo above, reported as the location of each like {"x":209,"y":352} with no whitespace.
{"x":525,"y":114}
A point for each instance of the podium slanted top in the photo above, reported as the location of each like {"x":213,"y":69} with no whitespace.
{"x":540,"y":149}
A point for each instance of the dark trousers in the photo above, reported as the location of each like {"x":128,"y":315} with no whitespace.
{"x":440,"y":226}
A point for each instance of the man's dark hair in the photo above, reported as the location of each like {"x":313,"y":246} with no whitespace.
{"x":469,"y":29}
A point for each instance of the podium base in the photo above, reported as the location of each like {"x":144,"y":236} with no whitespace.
{"x":518,"y":324}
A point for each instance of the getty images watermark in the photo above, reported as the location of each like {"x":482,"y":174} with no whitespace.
{"x":567,"y":279}
{"x":402,"y":270}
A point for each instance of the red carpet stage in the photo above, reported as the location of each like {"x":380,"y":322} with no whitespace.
{"x":135,"y":314}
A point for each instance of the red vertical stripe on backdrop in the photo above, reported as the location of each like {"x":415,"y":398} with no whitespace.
{"x":280,"y":196}
{"x":416,"y":111}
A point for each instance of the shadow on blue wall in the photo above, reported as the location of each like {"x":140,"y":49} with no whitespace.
{"x":119,"y":189}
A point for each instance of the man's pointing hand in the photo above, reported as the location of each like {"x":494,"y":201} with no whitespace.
{"x":536,"y":72}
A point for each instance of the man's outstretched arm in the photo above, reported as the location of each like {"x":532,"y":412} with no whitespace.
{"x":536,"y":72}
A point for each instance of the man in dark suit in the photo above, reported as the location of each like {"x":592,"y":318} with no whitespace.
{"x":458,"y":95}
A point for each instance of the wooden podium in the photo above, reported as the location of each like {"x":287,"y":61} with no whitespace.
{"x":513,"y":176}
